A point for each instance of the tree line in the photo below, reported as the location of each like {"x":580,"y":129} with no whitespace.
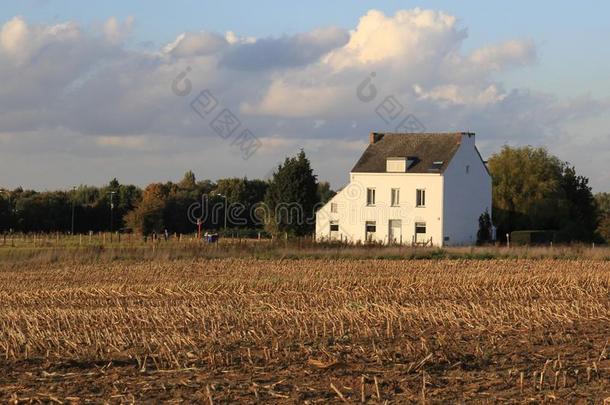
{"x":532,"y":190}
{"x":165,"y":206}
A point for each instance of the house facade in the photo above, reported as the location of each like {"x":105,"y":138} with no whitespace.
{"x":424,"y":189}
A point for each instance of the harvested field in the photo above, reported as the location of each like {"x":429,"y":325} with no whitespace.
{"x":306,"y":331}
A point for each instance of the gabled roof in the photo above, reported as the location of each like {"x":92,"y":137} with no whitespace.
{"x":427,"y":150}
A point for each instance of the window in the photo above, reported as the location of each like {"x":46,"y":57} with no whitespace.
{"x":333,"y":208}
{"x":396,"y":165}
{"x":467,"y":169}
{"x":395,"y":197}
{"x":370,"y":196}
{"x":436,"y":165}
{"x":420,"y":227}
{"x":334,"y":226}
{"x":420,"y":198}
{"x":371,"y":226}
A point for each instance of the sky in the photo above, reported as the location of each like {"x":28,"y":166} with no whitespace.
{"x":145,"y":90}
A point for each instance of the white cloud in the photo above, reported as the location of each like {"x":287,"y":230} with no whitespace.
{"x":115,"y":31}
{"x":14,"y":35}
{"x":407,"y":37}
{"x":455,"y":94}
{"x":284,"y":52}
{"x":288,"y":100}
{"x":508,"y":54}
{"x":290,"y":91}
{"x":196,"y":43}
{"x":127,"y":142}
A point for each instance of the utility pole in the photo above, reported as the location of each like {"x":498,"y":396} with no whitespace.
{"x":112,"y":193}
{"x":73,"y":206}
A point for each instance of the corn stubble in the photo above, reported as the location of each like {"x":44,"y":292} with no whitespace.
{"x":306,"y":331}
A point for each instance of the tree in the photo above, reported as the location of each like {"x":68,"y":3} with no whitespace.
{"x":604,"y":228}
{"x":603,"y":203}
{"x":188,"y":182}
{"x":292,"y":196}
{"x":177,"y":202}
{"x":324,"y":192}
{"x":526,"y":188}
{"x":484,"y":233}
{"x":5,"y":211}
{"x":147,"y":217}
{"x":242,"y":195}
{"x":534,"y":190}
{"x":603,"y":206}
{"x":582,"y":219}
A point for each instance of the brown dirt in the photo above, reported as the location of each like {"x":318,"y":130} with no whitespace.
{"x":226,"y":331}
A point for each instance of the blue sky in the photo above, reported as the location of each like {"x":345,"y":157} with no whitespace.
{"x":574,"y":55}
{"x":89,"y":81}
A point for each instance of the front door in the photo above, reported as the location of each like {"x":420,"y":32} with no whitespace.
{"x":370,"y":230}
{"x":395,"y":231}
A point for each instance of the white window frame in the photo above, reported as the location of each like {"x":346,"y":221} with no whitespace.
{"x":395,"y":197}
{"x":420,"y":202}
{"x":370,"y":202}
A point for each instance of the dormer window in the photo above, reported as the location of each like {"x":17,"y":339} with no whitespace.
{"x":396,"y":164}
{"x":436,"y":165}
{"x":399,"y":164}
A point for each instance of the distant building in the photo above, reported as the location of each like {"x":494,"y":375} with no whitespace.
{"x":425,"y":189}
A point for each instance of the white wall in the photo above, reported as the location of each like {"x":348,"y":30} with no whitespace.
{"x":467,"y":195}
{"x":353,"y":211}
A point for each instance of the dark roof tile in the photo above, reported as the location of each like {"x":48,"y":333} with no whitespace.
{"x":426,"y":148}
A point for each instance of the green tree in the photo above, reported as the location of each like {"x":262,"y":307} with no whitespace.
{"x":242,"y":194}
{"x":292,"y":196}
{"x":147,"y":216}
{"x":526,"y":189}
{"x":325,"y":193}
{"x":582,"y":219}
{"x":603,"y":205}
{"x":188,"y":182}
{"x":603,"y":228}
{"x":535,"y":190}
{"x":5,"y":211}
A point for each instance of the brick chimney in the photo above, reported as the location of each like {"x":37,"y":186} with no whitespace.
{"x":374,"y":137}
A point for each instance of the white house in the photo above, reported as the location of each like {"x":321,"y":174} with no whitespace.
{"x":411,"y":189}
